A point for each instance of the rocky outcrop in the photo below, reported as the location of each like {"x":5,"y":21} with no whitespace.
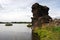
{"x":40,"y":15}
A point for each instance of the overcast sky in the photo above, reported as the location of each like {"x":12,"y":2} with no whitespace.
{"x":20,"y":10}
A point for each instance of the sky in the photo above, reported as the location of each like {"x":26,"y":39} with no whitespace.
{"x":20,"y":10}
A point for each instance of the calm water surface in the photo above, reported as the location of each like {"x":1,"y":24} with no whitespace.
{"x":15,"y":32}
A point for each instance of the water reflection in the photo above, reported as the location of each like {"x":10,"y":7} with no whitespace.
{"x":15,"y":32}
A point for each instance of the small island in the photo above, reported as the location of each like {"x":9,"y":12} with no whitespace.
{"x":8,"y":24}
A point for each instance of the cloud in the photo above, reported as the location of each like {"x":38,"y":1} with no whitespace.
{"x":18,"y":5}
{"x":16,"y":10}
{"x":21,"y":9}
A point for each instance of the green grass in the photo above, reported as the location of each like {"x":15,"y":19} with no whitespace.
{"x":48,"y":33}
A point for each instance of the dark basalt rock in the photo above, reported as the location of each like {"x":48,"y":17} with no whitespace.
{"x":40,"y":14}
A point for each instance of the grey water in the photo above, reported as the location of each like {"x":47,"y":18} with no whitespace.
{"x":15,"y":32}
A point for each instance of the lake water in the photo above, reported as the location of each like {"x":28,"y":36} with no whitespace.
{"x":15,"y":32}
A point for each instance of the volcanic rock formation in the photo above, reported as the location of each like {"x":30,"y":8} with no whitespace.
{"x":40,"y":15}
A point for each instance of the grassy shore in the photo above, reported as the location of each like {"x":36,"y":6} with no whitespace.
{"x":50,"y":32}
